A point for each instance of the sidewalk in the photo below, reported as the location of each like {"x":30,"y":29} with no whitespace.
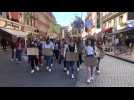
{"x":125,"y":57}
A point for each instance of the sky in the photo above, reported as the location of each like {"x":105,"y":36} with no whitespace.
{"x":66,"y":18}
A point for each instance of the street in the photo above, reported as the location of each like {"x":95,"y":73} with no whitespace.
{"x":114,"y":73}
{"x":18,"y":75}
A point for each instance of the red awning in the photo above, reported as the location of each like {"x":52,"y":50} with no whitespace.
{"x":108,"y":30}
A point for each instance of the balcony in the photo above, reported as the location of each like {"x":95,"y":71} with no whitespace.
{"x":111,"y":15}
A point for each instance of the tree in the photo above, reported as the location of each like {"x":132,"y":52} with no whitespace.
{"x":54,"y":28}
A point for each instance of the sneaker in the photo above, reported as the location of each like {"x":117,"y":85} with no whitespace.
{"x":49,"y":69}
{"x":67,"y":72}
{"x":65,"y":69}
{"x":98,"y":72}
{"x":32,"y":71}
{"x":88,"y":81}
{"x":73,"y":76}
{"x":78,"y":69}
{"x":37,"y":68}
{"x":92,"y":78}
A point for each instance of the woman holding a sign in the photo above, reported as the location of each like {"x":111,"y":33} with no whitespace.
{"x":33,"y":52}
{"x":48,"y":53}
{"x":71,"y":58}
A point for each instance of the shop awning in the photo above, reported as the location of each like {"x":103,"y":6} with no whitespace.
{"x":15,"y":32}
{"x":108,"y":30}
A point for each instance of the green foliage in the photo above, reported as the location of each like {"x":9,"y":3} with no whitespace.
{"x":54,"y":28}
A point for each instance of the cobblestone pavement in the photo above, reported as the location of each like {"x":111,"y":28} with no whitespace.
{"x":114,"y":73}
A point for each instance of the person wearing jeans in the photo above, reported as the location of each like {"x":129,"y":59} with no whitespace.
{"x":48,"y":58}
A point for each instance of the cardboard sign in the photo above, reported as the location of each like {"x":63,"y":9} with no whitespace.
{"x":47,"y":52}
{"x":71,"y":56}
{"x":32,"y":51}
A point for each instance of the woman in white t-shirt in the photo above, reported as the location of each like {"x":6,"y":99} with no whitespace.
{"x":89,"y":60}
{"x":48,"y":59}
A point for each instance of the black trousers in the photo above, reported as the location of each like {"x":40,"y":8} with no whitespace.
{"x":33,"y":61}
{"x":97,"y":67}
{"x":13,"y":54}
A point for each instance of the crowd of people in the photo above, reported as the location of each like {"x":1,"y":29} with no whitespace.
{"x":89,"y":52}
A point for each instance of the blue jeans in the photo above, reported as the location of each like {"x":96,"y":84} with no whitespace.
{"x":70,"y":66}
{"x":18,"y":54}
{"x":48,"y":60}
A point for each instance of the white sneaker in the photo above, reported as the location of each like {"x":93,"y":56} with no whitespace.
{"x":92,"y":78}
{"x":37,"y":68}
{"x":98,"y":72}
{"x":49,"y":69}
{"x":32,"y":71}
{"x":73,"y":76}
{"x":65,"y":69}
{"x":78,"y":69}
{"x":67,"y":72}
{"x":89,"y":80}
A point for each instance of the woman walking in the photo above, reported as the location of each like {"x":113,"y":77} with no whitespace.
{"x":90,"y":61}
{"x":33,"y":58}
{"x":48,"y":58}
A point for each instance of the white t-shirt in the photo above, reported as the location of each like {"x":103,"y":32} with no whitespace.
{"x":89,"y":50}
{"x":47,"y":45}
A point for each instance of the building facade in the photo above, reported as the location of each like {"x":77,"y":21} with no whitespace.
{"x":33,"y":22}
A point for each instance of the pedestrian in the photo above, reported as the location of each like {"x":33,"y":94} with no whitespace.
{"x":70,"y":64}
{"x":64,"y":55}
{"x":39,"y":44}
{"x":90,"y":61}
{"x":61,"y":58}
{"x":19,"y":50}
{"x":99,"y":53}
{"x":56,"y":50}
{"x":48,"y":58}
{"x":3,"y":43}
{"x":52,"y":46}
{"x":12,"y":44}
{"x":33,"y":58}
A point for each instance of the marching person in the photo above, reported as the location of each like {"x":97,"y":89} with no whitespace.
{"x":33,"y":58}
{"x":70,"y":64}
{"x":64,"y":55}
{"x":52,"y":46}
{"x":89,"y":50}
{"x":39,"y":44}
{"x":19,"y":50}
{"x":99,"y":54}
{"x":48,"y":58}
{"x":56,"y":50}
{"x":13,"y":50}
